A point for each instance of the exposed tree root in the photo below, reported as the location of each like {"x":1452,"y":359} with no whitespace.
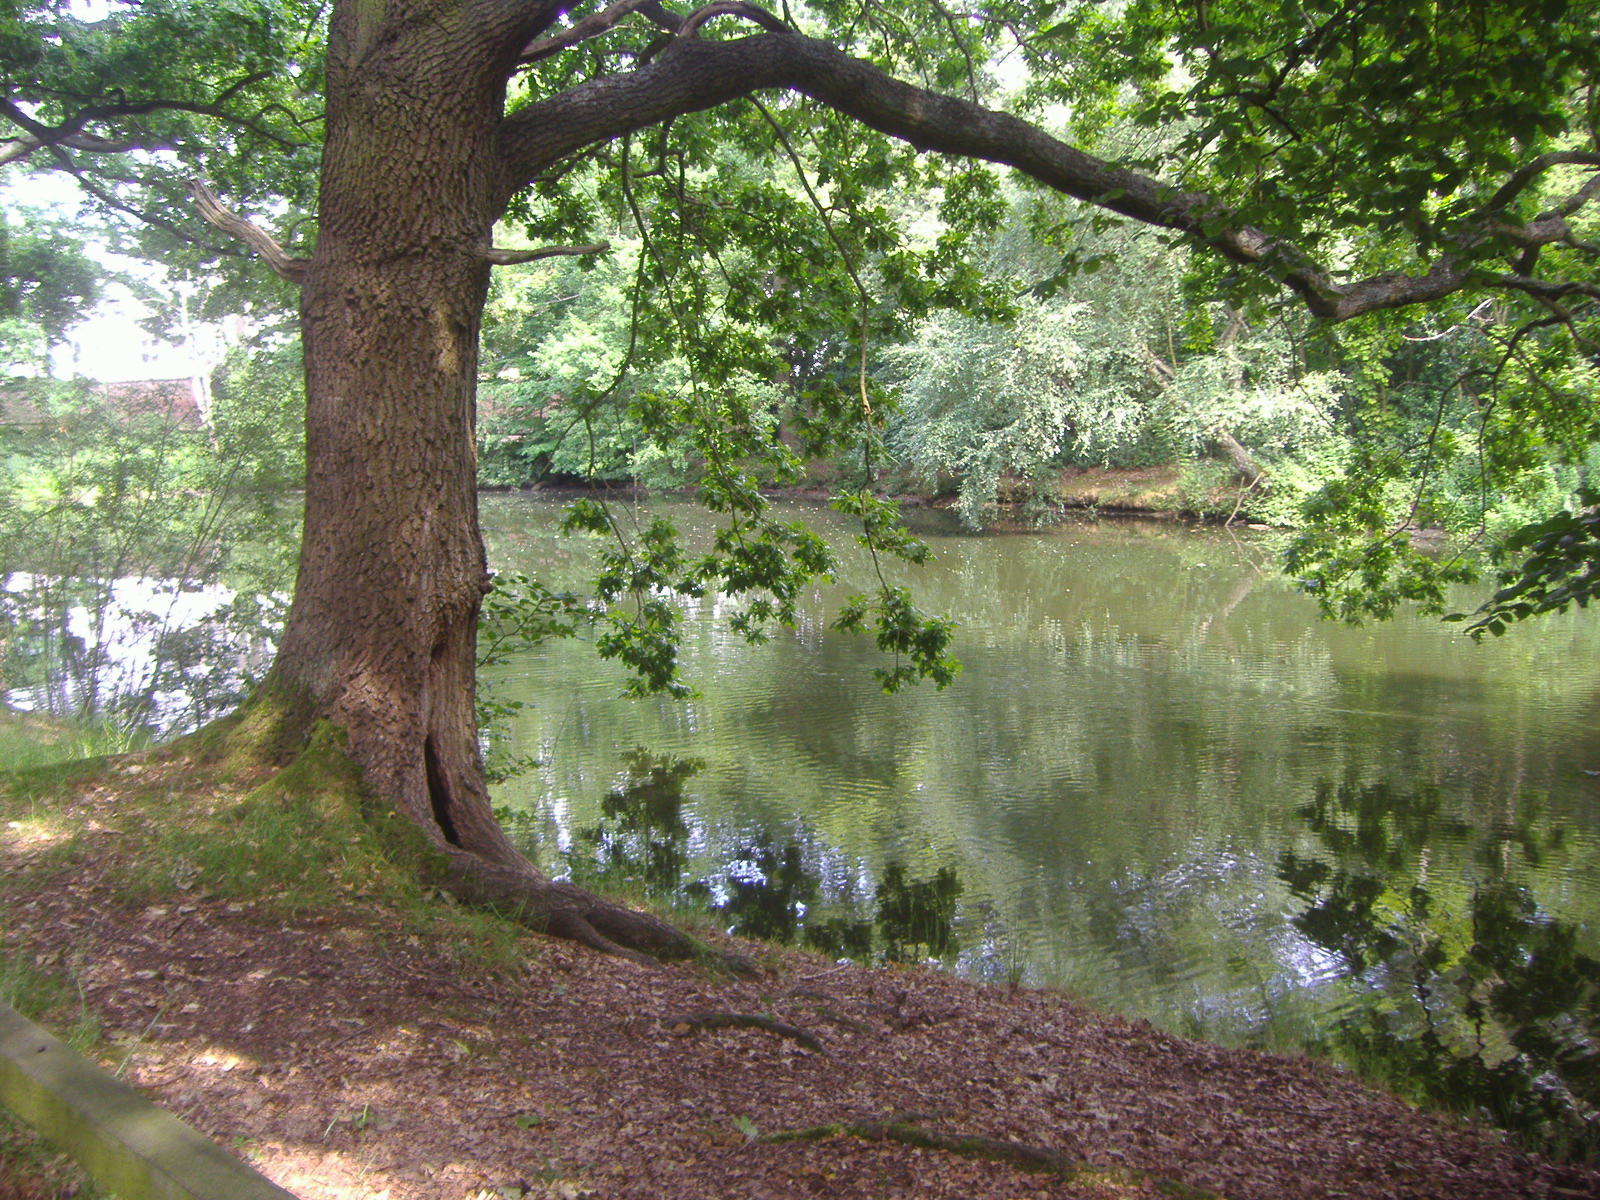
{"x":521,"y":892}
{"x":818,"y":1003}
{"x":907,"y":1131}
{"x":692,"y":1022}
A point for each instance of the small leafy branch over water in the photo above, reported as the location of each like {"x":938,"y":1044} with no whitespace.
{"x":1555,"y":564}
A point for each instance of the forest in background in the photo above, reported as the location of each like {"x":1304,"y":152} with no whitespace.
{"x":1095,"y":345}
{"x":1076,"y":343}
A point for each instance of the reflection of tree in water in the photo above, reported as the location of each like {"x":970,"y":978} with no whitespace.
{"x":155,"y":657}
{"x":766,"y":888}
{"x":1471,"y":996}
{"x":917,"y":915}
{"x":642,"y":837}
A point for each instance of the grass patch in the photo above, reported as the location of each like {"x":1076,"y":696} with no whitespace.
{"x":48,"y":999}
{"x":31,"y":741}
{"x":25,"y":791}
{"x":305,"y":838}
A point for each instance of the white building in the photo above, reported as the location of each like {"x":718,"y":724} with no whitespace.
{"x":111,"y":345}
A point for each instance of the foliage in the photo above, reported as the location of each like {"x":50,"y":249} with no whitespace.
{"x":1452,"y":430}
{"x":982,"y":402}
{"x":1559,"y":567}
{"x":518,"y":615}
{"x":1396,"y":139}
{"x":563,"y":403}
{"x":226,"y":92}
{"x":1331,"y":116}
{"x":46,"y":281}
{"x":763,"y":564}
{"x":1107,"y":359}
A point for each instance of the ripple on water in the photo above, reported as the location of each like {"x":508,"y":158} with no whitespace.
{"x":1135,"y":746}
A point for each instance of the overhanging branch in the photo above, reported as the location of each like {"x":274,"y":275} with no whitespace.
{"x":103,"y":195}
{"x":507,"y":258}
{"x":18,"y":148}
{"x":258,"y":239}
{"x":694,"y":74}
{"x":74,"y":133}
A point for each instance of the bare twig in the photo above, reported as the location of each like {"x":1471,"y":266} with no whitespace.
{"x":1477,"y":316}
{"x":506,"y":258}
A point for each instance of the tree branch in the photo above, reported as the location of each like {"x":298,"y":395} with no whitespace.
{"x":73,"y":134}
{"x":589,"y":27}
{"x":507,"y":258}
{"x":1527,"y":173}
{"x":111,"y":201}
{"x":1544,"y":289}
{"x":608,"y":18}
{"x":736,"y":8}
{"x":18,"y":148}
{"x":694,"y":74}
{"x":251,"y":234}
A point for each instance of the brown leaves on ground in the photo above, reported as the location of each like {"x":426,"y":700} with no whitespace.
{"x":346,"y":1059}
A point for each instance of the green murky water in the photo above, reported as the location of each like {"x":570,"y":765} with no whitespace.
{"x":1159,"y":783}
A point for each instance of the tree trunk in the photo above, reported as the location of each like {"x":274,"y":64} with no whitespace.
{"x":381,"y":637}
{"x":1247,"y":467}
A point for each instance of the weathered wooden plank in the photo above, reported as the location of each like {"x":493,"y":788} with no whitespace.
{"x":129,"y":1145}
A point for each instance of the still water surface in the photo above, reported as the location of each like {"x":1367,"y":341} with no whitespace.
{"x":1123,"y":778}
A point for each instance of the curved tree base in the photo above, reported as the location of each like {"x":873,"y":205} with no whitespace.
{"x":277,"y":734}
{"x":525,"y":894}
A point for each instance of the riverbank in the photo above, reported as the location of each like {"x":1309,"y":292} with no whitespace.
{"x":1167,"y":490}
{"x":254,"y":962}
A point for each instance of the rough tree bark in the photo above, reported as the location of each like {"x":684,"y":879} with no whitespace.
{"x":381,"y":638}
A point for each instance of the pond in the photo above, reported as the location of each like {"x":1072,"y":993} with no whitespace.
{"x":1160,"y":782}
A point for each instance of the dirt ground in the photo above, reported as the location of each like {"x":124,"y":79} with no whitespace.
{"x":345,"y":1058}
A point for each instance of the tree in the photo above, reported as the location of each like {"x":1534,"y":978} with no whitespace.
{"x":1363,"y":157}
{"x":44,"y":284}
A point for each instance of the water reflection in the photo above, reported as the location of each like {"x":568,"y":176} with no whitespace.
{"x":1115,"y":779}
{"x":781,"y":891}
{"x":156,"y":656}
{"x":642,"y":836}
{"x":1465,"y":990}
